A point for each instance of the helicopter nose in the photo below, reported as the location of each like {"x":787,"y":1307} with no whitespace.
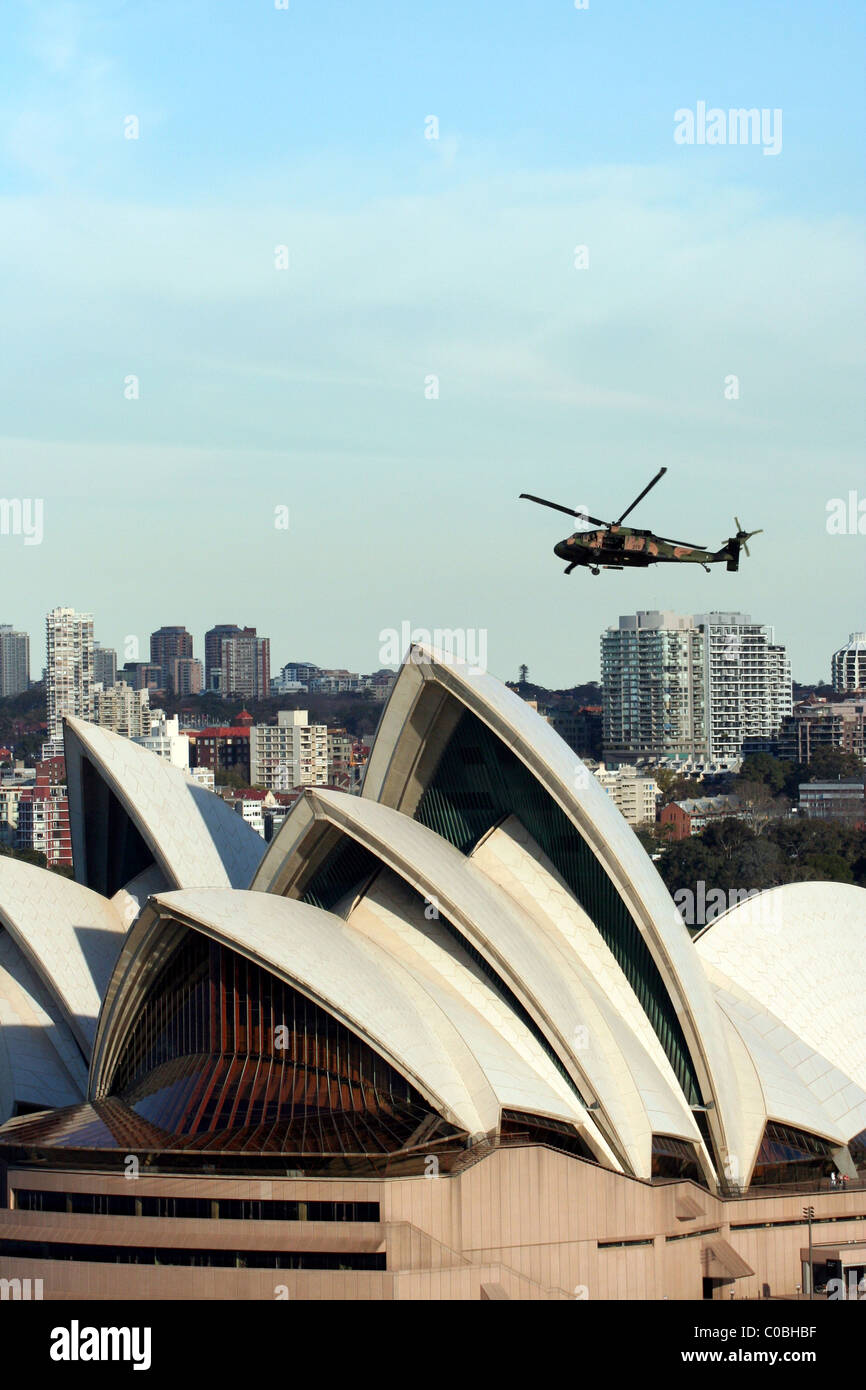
{"x":561,"y":549}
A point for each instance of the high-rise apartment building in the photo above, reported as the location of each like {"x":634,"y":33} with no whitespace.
{"x":291,"y":753}
{"x":848,"y":665}
{"x":69,"y":676}
{"x":748,"y":684}
{"x":142,"y":675}
{"x":696,"y":689}
{"x":185,"y":676}
{"x":246,"y":666}
{"x":14,"y":661}
{"x":213,"y":653}
{"x":104,"y":665}
{"x":122,"y":709}
{"x":167,"y":645}
{"x":652,"y":671}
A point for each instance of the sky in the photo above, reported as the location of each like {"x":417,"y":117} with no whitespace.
{"x":323,"y":258}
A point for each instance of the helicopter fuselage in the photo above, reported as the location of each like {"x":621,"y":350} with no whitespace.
{"x":624,"y":547}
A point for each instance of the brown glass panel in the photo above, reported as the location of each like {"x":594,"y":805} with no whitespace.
{"x":325,"y":1092}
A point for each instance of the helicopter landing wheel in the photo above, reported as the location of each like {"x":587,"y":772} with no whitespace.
{"x":595,"y":571}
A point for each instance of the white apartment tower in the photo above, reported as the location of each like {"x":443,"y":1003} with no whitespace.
{"x":747,"y":682}
{"x":849,"y":665}
{"x":69,"y":647}
{"x":291,"y":753}
{"x":652,"y":671}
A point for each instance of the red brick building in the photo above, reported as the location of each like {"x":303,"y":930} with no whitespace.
{"x":43,"y":814}
{"x":689,"y":817}
{"x":223,"y":747}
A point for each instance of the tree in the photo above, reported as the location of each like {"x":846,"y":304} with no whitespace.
{"x":831,"y":764}
{"x":764,"y":768}
{"x":232,"y":778}
{"x":758,"y":804}
{"x":676,"y":786}
{"x":832,"y":867}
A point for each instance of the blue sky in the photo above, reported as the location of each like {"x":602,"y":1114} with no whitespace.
{"x":411,"y":258}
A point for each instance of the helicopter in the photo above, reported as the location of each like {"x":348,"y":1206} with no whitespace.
{"x":617,"y":547}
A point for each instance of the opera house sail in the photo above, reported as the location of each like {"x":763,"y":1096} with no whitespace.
{"x":343,"y":1056}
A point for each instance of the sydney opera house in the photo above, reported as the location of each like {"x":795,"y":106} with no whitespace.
{"x":446,"y":1039}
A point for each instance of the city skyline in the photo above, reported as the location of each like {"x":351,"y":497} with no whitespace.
{"x":278,"y":663}
{"x":435,"y":344}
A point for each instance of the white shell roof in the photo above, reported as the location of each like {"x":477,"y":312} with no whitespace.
{"x":40,"y":1063}
{"x":197,"y":840}
{"x":787,"y":967}
{"x":70,"y":936}
{"x":800,"y":952}
{"x":591,"y":810}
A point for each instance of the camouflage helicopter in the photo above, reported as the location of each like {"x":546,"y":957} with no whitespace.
{"x":617,"y":547}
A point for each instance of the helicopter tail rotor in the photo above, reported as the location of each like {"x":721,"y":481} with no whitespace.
{"x":745,"y":536}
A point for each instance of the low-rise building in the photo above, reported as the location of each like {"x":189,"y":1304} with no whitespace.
{"x":223,"y":747}
{"x":274,"y":816}
{"x":249,"y":806}
{"x":689,"y":817}
{"x":11,"y":789}
{"x":166,"y":740}
{"x":843,"y":799}
{"x":265,"y":811}
{"x":204,"y":776}
{"x":341,"y":763}
{"x":815,"y":724}
{"x":633,"y":793}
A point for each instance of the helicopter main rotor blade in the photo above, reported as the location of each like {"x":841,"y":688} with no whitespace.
{"x":557,"y":507}
{"x":692,"y":545}
{"x":641,"y":496}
